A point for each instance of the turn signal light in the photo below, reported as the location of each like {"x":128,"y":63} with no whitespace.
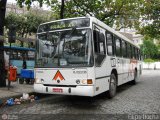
{"x":89,"y":81}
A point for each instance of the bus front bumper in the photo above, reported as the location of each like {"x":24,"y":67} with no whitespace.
{"x":78,"y":90}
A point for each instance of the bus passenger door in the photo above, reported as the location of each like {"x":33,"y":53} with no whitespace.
{"x":100,"y":59}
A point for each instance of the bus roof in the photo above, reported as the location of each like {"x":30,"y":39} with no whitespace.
{"x":101,"y":24}
{"x":19,"y":48}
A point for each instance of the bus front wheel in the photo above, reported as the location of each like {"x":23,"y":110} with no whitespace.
{"x":112,"y":86}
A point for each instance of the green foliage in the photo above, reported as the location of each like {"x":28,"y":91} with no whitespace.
{"x":123,"y":13}
{"x":151,"y":16}
{"x":26,"y":24}
{"x":149,"y":49}
{"x":148,"y":60}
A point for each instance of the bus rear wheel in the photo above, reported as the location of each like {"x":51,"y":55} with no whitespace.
{"x":112,"y":86}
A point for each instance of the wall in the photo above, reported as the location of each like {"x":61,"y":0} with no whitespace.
{"x":151,"y":66}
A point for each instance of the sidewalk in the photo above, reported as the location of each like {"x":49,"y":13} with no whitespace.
{"x":16,"y":90}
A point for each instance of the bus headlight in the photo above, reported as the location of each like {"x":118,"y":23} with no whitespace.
{"x":88,"y":81}
{"x":84,"y":81}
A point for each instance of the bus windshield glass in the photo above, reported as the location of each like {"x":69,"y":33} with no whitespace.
{"x":65,"y":48}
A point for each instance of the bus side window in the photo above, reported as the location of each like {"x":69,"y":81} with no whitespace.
{"x":118,"y":47}
{"x":139,"y":56}
{"x":124,"y":49}
{"x":102,"y":43}
{"x":110,"y":44}
{"x":136,"y":53}
{"x":129,"y":50}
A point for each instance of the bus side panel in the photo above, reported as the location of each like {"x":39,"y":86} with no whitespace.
{"x":102,"y":85}
{"x":102,"y":74}
{"x":127,"y":76}
{"x":91,"y":75}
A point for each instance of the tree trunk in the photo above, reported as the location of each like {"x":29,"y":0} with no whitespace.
{"x":62,"y":10}
{"x":2,"y":62}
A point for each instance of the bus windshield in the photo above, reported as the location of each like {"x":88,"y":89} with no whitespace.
{"x":71,"y":47}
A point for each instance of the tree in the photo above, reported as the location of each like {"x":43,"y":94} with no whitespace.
{"x":109,"y":11}
{"x":149,"y":49}
{"x":150,"y":13}
{"x":2,"y":66}
{"x":62,"y":9}
{"x":26,"y":24}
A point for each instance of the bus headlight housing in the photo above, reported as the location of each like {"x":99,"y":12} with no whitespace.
{"x":88,"y":81}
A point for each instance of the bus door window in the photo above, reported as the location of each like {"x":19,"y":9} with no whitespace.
{"x":96,"y":36}
{"x":99,"y":45}
{"x":110,"y":43}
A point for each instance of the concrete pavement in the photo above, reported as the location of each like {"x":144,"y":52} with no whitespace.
{"x":15,"y":90}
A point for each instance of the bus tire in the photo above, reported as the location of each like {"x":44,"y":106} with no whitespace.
{"x":112,"y":86}
{"x":134,"y":81}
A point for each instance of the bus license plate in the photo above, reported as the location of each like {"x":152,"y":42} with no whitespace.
{"x":58,"y":90}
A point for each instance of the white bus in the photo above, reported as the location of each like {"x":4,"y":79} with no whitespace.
{"x":85,"y":57}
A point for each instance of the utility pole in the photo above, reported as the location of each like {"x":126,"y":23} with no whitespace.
{"x":2,"y":62}
{"x":62,"y":10}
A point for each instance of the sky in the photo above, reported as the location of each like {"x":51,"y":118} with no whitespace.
{"x":45,"y":7}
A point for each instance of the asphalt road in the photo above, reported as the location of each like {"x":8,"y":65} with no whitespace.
{"x":131,"y":102}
